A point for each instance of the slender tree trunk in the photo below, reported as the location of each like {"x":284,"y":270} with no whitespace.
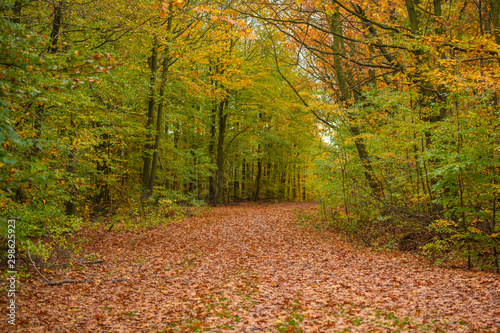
{"x":428,"y":98}
{"x":16,"y":11}
{"x":71,"y":169}
{"x":56,"y":25}
{"x":102,"y":197}
{"x":161,"y":103}
{"x":159,"y":123}
{"x":412,"y":16}
{"x":282,"y":184}
{"x":211,"y":153}
{"x":236,"y":182}
{"x":495,"y":18}
{"x":220,"y":149}
{"x":151,"y":153}
{"x":346,"y":96}
{"x":257,"y":178}
{"x":150,"y":119}
{"x":243,"y":179}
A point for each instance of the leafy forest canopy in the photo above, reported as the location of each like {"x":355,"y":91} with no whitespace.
{"x":386,"y":112}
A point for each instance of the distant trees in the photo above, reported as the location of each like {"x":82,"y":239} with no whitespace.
{"x":109,"y":107}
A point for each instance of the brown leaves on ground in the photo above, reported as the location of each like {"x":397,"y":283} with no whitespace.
{"x":250,"y":268}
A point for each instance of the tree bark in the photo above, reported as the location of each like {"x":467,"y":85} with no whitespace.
{"x":346,"y":97}
{"x":159,"y":124}
{"x":56,"y":26}
{"x":243,"y":179}
{"x":150,"y":118}
{"x":211,"y":153}
{"x":258,"y":177}
{"x":220,"y":149}
{"x":161,"y":103}
{"x":412,"y":16}
{"x":71,"y":169}
{"x":16,"y":11}
{"x":495,"y":18}
{"x":236,"y":182}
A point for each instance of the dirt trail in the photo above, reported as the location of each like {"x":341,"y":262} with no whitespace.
{"x":251,"y":268}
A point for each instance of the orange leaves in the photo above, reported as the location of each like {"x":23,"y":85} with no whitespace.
{"x":166,"y":6}
{"x":229,"y":20}
{"x":249,"y":268}
{"x":178,"y":3}
{"x":201,"y":9}
{"x":228,"y":17}
{"x":164,"y":10}
{"x":247,"y":33}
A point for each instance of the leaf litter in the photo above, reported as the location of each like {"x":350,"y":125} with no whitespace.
{"x":251,"y":268}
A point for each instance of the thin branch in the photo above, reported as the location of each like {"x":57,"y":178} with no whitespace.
{"x":36,"y":269}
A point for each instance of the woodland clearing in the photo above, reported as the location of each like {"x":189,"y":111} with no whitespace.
{"x":253,"y":268}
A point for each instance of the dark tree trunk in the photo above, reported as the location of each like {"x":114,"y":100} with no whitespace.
{"x":257,"y":178}
{"x":146,"y":171}
{"x":243,"y":179}
{"x":495,"y":18}
{"x":71,"y":170}
{"x":236,"y":183}
{"x":56,"y":25}
{"x":16,"y":11}
{"x":220,"y":150}
{"x":211,"y":153}
{"x":103,"y":197}
{"x":346,"y":96}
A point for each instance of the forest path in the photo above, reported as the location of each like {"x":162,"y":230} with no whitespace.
{"x":253,"y":268}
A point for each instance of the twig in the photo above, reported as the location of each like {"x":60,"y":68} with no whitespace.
{"x":98,"y":261}
{"x":34,"y":266}
{"x":55,"y":283}
{"x":161,"y":164}
{"x":366,"y":242}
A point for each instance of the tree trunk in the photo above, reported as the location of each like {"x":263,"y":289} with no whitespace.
{"x":412,"y":16}
{"x":56,"y":25}
{"x":258,"y":177}
{"x":159,"y":123}
{"x":71,"y":170}
{"x":243,"y":179}
{"x":211,"y":153}
{"x":220,"y":149}
{"x":495,"y":18}
{"x":236,"y":182}
{"x":346,"y":97}
{"x":149,"y":126}
{"x":16,"y":11}
{"x":151,"y":161}
{"x":161,"y":103}
{"x":103,"y":196}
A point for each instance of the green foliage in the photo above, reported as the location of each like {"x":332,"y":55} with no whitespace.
{"x":441,"y":196}
{"x":33,"y":192}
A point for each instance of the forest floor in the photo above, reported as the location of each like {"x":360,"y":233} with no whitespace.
{"x":253,"y":268}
